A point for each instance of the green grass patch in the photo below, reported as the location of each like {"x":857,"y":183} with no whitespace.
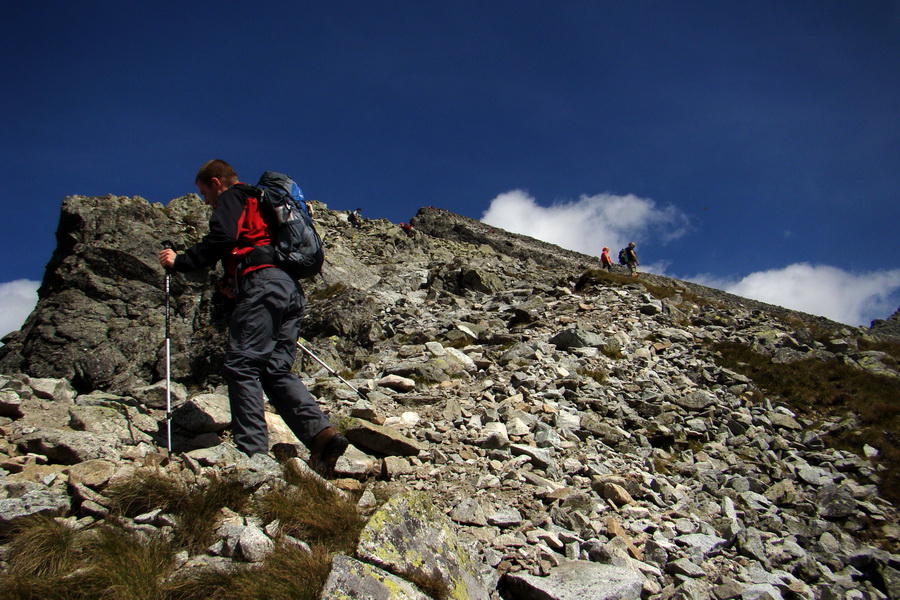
{"x":827,"y":389}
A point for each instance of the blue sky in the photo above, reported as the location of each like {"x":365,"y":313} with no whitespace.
{"x":754,"y":146}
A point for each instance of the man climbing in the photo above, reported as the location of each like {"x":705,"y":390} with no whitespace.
{"x":355,"y":218}
{"x":265,"y":324}
{"x":632,"y":260}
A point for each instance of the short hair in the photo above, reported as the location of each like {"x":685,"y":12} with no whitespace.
{"x":218,"y":169}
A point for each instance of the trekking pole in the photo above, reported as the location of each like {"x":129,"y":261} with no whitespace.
{"x":330,"y":370}
{"x":168,"y":246}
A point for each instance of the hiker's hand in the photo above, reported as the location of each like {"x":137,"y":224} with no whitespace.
{"x":167,"y":258}
{"x":226,"y":286}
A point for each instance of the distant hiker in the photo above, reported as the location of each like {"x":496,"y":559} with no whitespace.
{"x":355,"y":218}
{"x":632,"y":260}
{"x":265,"y":325}
{"x":407,"y":229}
{"x":605,"y":260}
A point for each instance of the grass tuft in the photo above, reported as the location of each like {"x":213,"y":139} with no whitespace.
{"x":42,"y":547}
{"x":144,"y":491}
{"x":432,"y":585}
{"x":307,"y":509}
{"x":196,"y":508}
{"x":126,"y":565}
{"x":197,"y":511}
{"x":103,"y":562}
{"x":288,"y":573}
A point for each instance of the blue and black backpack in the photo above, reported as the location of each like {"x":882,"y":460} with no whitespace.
{"x":296,"y":246}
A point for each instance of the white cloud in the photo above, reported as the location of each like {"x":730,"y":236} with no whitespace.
{"x":851,"y":298}
{"x":17,"y":300}
{"x":588,"y":224}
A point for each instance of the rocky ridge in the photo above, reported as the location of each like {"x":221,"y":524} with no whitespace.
{"x":576,"y":431}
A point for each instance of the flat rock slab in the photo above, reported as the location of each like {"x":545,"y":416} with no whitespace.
{"x":381,"y":440}
{"x":575,"y":580}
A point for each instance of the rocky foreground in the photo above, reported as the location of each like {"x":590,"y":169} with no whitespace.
{"x":521,"y":429}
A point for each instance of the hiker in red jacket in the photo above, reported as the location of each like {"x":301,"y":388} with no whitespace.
{"x":605,"y":260}
{"x":265,"y":325}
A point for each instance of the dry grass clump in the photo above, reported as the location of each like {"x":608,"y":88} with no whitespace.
{"x":195,"y":507}
{"x":42,"y":547}
{"x":308,"y":510}
{"x":831,"y":389}
{"x":326,"y":292}
{"x":600,"y":277}
{"x":432,"y":585}
{"x":103,"y":562}
{"x":144,"y":491}
{"x":125,"y":565}
{"x":288,"y":573}
{"x":49,"y":560}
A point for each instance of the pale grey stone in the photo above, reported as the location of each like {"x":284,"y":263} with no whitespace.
{"x":382,"y":440}
{"x":49,"y":388}
{"x":32,"y":499}
{"x":469,"y":512}
{"x":695,"y":400}
{"x":254,"y":545}
{"x":205,"y":413}
{"x":575,"y":580}
{"x":505,"y":517}
{"x":704,"y":545}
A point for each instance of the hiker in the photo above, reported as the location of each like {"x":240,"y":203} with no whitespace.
{"x":407,"y":229}
{"x":265,"y":324}
{"x":632,"y":259}
{"x":355,"y":218}
{"x":605,"y":260}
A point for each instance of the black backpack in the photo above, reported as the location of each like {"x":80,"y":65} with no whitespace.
{"x":623,"y":256}
{"x":296,"y":246}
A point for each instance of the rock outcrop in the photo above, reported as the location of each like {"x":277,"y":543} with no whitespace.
{"x":545,"y":431}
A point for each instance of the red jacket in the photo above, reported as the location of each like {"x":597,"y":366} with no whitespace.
{"x":236,"y":227}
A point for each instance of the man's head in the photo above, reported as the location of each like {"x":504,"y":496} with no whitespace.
{"x":213,"y":178}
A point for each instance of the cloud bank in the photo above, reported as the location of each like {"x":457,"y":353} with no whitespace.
{"x":588,"y":224}
{"x":851,"y":298}
{"x":17,"y":300}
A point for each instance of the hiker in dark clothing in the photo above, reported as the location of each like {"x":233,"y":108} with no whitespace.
{"x":632,"y":260}
{"x":265,"y":325}
{"x":355,"y":218}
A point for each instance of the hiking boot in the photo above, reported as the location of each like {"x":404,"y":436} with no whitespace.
{"x":326,"y":449}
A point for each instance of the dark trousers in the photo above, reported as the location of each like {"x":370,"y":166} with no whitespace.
{"x":262,"y":343}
